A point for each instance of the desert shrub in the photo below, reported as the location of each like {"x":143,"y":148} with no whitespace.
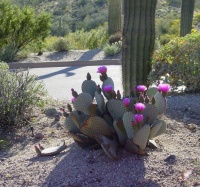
{"x":113,"y":49}
{"x":7,"y":53}
{"x":179,"y":62}
{"x":115,"y":38}
{"x":61,"y":45}
{"x":3,"y":66}
{"x":19,"y":93}
{"x":95,"y":38}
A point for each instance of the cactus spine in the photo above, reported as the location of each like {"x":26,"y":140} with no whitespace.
{"x":187,"y":10}
{"x":114,"y":16}
{"x":138,"y":42}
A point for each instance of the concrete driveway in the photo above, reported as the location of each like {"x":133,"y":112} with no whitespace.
{"x":59,"y":80}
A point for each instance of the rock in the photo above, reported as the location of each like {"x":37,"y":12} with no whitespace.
{"x":192,"y":126}
{"x":170,"y":159}
{"x":39,"y":136}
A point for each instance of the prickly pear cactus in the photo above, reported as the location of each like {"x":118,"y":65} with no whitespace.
{"x":89,"y":86}
{"x":131,"y":122}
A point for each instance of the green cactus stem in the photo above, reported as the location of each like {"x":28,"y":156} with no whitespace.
{"x":114,"y":16}
{"x":138,"y":42}
{"x":187,"y":11}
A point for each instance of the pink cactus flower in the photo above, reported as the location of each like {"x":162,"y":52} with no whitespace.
{"x":108,"y":88}
{"x":134,"y":123}
{"x":73,"y":99}
{"x":141,"y":88}
{"x":140,"y":106}
{"x":138,"y":118}
{"x":102,"y":70}
{"x":164,"y":88}
{"x":126,"y":102}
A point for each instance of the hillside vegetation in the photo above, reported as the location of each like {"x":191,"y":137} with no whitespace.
{"x":71,"y":15}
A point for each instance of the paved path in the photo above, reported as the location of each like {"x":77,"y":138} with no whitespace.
{"x":59,"y":80}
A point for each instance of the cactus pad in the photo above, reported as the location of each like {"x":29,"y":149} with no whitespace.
{"x":89,"y":86}
{"x":162,"y":128}
{"x":152,"y":92}
{"x":150,"y":111}
{"x":116,"y":108}
{"x":82,"y":102}
{"x":96,"y":125}
{"x":121,"y":135}
{"x":140,"y":138}
{"x":100,"y":102}
{"x":127,"y":121}
{"x":107,"y":82}
{"x":160,"y":103}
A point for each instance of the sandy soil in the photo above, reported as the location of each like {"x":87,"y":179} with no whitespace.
{"x":177,"y":155}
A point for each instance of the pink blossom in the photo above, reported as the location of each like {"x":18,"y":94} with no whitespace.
{"x":164,"y":88}
{"x":73,"y":99}
{"x":141,"y":88}
{"x":140,"y":106}
{"x":108,"y":88}
{"x":126,"y":101}
{"x":138,"y":118}
{"x":134,"y":123}
{"x":102,"y":69}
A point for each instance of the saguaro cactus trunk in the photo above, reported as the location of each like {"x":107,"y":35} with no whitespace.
{"x":187,"y":11}
{"x":138,"y":42}
{"x":114,"y":16}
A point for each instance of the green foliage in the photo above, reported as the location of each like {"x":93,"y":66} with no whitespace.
{"x":20,"y":27}
{"x":94,"y":39}
{"x":19,"y":93}
{"x":179,"y":62}
{"x":61,"y":45}
{"x":112,"y":49}
{"x":3,"y":66}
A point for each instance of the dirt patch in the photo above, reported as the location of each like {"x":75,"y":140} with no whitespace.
{"x":175,"y":163}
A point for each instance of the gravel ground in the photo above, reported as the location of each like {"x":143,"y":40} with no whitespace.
{"x":174,"y":163}
{"x":178,"y":152}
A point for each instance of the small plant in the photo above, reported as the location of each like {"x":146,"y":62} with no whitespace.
{"x":130,"y":122}
{"x":19,"y":93}
{"x":61,"y":45}
{"x":115,"y":38}
{"x":3,"y":65}
{"x":113,"y":49}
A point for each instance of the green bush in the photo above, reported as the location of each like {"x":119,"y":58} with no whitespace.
{"x":179,"y":62}
{"x":19,"y":93}
{"x":61,"y":45}
{"x":95,"y":38}
{"x":3,"y":66}
{"x":113,"y":49}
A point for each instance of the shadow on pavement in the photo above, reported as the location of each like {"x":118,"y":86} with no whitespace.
{"x":63,"y":71}
{"x":88,"y":55}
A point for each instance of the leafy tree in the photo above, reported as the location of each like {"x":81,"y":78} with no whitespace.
{"x":20,"y":27}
